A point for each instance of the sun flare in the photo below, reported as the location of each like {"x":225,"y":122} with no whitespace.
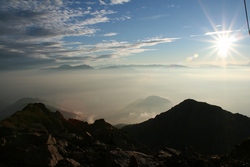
{"x":223,"y":45}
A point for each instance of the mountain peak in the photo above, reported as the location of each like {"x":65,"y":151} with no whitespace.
{"x":193,"y":124}
{"x":192,"y":105}
{"x":155,"y":98}
{"x":38,"y":105}
{"x":34,"y":113}
{"x":100,"y":124}
{"x":70,"y":67}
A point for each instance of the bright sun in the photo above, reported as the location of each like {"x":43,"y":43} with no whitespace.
{"x":224,"y":45}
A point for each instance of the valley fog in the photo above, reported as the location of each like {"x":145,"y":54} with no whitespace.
{"x":99,"y":93}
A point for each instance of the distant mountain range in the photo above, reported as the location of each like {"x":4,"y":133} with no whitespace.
{"x":144,"y":66}
{"x":207,"y":128}
{"x":141,"y":110}
{"x":169,"y":66}
{"x":7,"y":111}
{"x":69,"y":67}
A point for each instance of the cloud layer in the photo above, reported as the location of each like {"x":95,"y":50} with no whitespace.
{"x":38,"y":33}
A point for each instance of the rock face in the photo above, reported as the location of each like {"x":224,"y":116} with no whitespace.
{"x":207,"y":128}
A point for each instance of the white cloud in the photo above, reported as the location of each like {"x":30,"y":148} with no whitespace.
{"x":48,"y":19}
{"x":218,"y":32}
{"x":155,"y":17}
{"x":36,"y":28}
{"x":121,"y":49}
{"x":110,"y":34}
{"x":91,"y":119}
{"x":102,"y":2}
{"x":116,"y":2}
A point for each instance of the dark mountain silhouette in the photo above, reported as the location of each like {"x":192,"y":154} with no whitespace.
{"x":207,"y":128}
{"x":35,"y":136}
{"x":141,"y":110}
{"x":21,"y":103}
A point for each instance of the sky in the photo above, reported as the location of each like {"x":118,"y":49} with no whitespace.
{"x":200,"y":34}
{"x":41,"y":34}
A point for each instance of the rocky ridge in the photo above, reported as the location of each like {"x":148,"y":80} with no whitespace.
{"x":35,"y":136}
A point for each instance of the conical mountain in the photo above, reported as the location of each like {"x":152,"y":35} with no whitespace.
{"x":141,"y":110}
{"x":206,"y":128}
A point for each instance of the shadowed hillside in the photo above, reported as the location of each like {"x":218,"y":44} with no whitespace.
{"x":207,"y":128}
{"x":21,"y":103}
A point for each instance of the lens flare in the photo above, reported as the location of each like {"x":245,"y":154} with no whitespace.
{"x":223,"y":39}
{"x":223,"y":45}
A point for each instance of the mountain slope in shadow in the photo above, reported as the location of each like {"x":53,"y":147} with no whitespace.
{"x":207,"y":128}
{"x":21,"y":103}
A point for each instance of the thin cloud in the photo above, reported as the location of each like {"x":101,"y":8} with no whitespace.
{"x":155,"y":17}
{"x":110,"y":34}
{"x":102,"y":2}
{"x":120,"y":49}
{"x":113,"y":49}
{"x":218,"y":32}
{"x":116,"y":2}
{"x":171,"y":6}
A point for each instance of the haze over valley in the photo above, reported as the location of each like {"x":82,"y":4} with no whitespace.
{"x":99,"y":93}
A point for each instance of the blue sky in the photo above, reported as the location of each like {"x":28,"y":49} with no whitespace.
{"x":41,"y":34}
